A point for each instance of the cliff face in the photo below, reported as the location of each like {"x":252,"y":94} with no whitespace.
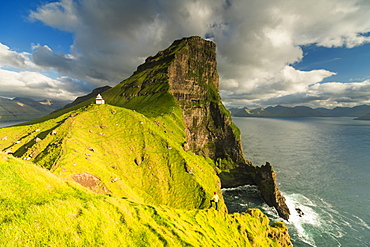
{"x":193,"y":80}
{"x":189,"y":69}
{"x":186,"y":72}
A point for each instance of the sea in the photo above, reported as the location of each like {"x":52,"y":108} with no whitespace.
{"x":322,"y":167}
{"x":7,"y":124}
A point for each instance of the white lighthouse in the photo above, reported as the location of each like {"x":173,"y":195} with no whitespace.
{"x":99,"y":100}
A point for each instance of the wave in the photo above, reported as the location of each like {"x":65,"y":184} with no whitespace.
{"x":302,"y":223}
{"x":244,"y":188}
{"x":321,"y":225}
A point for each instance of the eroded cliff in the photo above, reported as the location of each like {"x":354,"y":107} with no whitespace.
{"x":186,"y":72}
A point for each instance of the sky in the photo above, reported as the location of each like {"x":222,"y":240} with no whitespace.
{"x":269,"y":52}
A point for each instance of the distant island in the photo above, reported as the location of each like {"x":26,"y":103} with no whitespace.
{"x":24,"y":109}
{"x":361,"y":112}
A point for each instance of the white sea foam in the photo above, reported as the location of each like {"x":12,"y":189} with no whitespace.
{"x":309,"y":219}
{"x":320,"y":218}
{"x":249,"y":188}
{"x":321,"y":225}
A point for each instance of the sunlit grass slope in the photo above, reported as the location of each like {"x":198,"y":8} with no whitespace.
{"x":39,"y":208}
{"x":134,"y":157}
{"x":151,"y":192}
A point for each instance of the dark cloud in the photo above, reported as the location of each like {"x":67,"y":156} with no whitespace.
{"x":43,"y":56}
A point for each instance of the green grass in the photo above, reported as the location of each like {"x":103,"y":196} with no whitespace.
{"x":40,"y":209}
{"x":146,"y":155}
{"x":160,"y":198}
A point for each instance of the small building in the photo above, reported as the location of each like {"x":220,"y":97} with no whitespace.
{"x":99,"y":100}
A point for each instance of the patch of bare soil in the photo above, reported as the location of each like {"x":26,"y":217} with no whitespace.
{"x":91,"y":182}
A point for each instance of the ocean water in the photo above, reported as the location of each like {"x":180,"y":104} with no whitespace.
{"x":6,"y":124}
{"x":322,"y":167}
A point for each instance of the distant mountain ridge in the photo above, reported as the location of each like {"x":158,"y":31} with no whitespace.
{"x":303,"y":111}
{"x":23,"y":109}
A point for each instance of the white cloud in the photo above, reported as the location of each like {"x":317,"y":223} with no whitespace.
{"x":37,"y":85}
{"x":61,"y":15}
{"x":11,"y":58}
{"x":257,"y":41}
{"x":21,"y":77}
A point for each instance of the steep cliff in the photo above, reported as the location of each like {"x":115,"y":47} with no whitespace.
{"x":191,"y":69}
{"x":185,"y":75}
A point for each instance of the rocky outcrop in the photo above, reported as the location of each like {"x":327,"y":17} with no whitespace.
{"x":194,"y":82}
{"x":265,"y":177}
{"x":91,"y":182}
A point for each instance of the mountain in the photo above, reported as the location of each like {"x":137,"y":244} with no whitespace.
{"x":364,"y":117}
{"x":23,"y":109}
{"x":302,"y":111}
{"x":139,"y":170}
{"x":234,"y":111}
{"x":355,"y":111}
{"x":280,"y":111}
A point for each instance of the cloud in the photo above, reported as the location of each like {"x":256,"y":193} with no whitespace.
{"x":54,"y":15}
{"x":27,"y":75}
{"x":11,"y":58}
{"x":38,"y":86}
{"x":257,"y":41}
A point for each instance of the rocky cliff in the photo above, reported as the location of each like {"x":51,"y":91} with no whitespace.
{"x":193,"y":81}
{"x":186,"y":72}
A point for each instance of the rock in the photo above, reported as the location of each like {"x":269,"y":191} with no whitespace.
{"x":265,"y":178}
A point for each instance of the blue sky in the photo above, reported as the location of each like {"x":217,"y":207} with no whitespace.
{"x":19,"y":32}
{"x":349,"y":64}
{"x":287,"y":52}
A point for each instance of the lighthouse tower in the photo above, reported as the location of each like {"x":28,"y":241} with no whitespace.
{"x":99,"y":100}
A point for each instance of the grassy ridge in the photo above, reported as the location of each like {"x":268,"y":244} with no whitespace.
{"x":144,"y":156}
{"x":39,"y":209}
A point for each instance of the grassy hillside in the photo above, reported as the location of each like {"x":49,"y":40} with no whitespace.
{"x":143,"y":155}
{"x":151,"y":192}
{"x":118,"y":175}
{"x":39,"y":208}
